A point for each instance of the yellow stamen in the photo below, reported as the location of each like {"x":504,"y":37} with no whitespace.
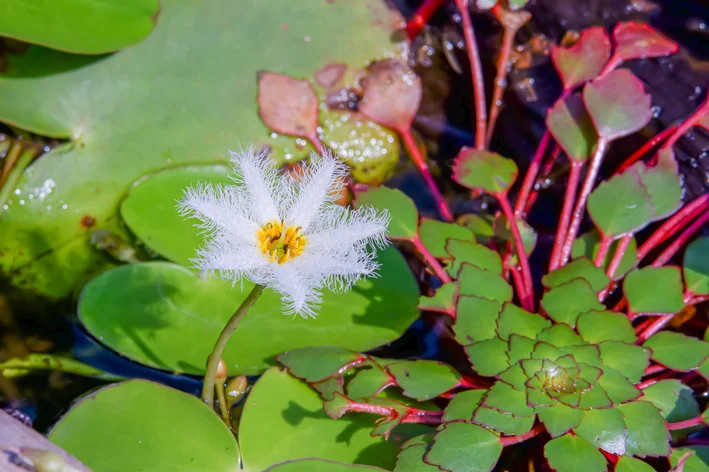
{"x":281,"y":244}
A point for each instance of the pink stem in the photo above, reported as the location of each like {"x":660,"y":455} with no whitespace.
{"x":525,"y":289}
{"x":673,"y":224}
{"x":615,"y":264}
{"x":503,"y":63}
{"x":531,"y":175}
{"x":603,"y":248}
{"x":476,"y":71}
{"x":677,"y":244}
{"x":580,"y":207}
{"x":646,"y":383}
{"x":565,"y":218}
{"x":421,"y":17}
{"x":430,"y":260}
{"x":317,"y":143}
{"x":654,"y":369}
{"x":415,"y":154}
{"x":510,"y":440}
{"x":548,"y":166}
{"x":649,"y":145}
{"x":688,"y":124}
{"x":686,"y":423}
{"x":654,"y":327}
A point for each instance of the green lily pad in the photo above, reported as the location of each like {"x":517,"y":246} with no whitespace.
{"x":587,"y":246}
{"x":647,"y":430}
{"x":318,"y":465}
{"x":598,"y":326}
{"x":484,"y":170}
{"x":515,"y":320}
{"x":585,"y":59}
{"x":138,"y":424}
{"x":570,"y":453}
{"x":566,"y":302}
{"x":162,"y":315}
{"x":315,"y":363}
{"x":368,"y":383}
{"x":456,"y":444}
{"x":478,"y":282}
{"x":581,"y":268}
{"x":463,"y":404}
{"x":604,"y":429}
{"x":677,"y":351}
{"x":442,"y":301}
{"x":423,"y":379}
{"x":571,"y":125}
{"x":403,"y":212}
{"x":559,"y":419}
{"x":618,"y":104}
{"x":84,"y":27}
{"x":476,"y":319}
{"x":631,"y":464}
{"x":696,"y":266}
{"x":654,"y":290}
{"x":293,"y":413}
{"x":628,"y":359}
{"x":473,"y":253}
{"x":123,"y":123}
{"x":434,"y":234}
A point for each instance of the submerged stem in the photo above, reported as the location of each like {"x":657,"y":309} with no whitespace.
{"x":677,"y":244}
{"x":218,"y":350}
{"x":223,"y":407}
{"x":15,"y":174}
{"x":565,"y":218}
{"x":430,"y":259}
{"x":531,"y":176}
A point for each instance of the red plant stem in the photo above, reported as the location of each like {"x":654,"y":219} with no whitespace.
{"x":503,"y":64}
{"x":531,"y":175}
{"x":698,"y":299}
{"x":618,"y":256}
{"x":677,"y":244}
{"x":565,"y":218}
{"x":580,"y":207}
{"x":655,"y":326}
{"x":642,"y":326}
{"x":317,"y":143}
{"x":431,"y":260}
{"x":476,"y":71}
{"x":649,"y":145}
{"x":686,"y":423}
{"x":612,"y":458}
{"x":654,"y":369}
{"x":413,"y":415}
{"x":422,"y":416}
{"x":424,"y":13}
{"x":646,"y":383}
{"x":603,"y":248}
{"x":525,"y":290}
{"x":673,"y":224}
{"x":510,"y":440}
{"x":415,"y":154}
{"x":688,"y":124}
{"x":548,"y":166}
{"x":612,"y":63}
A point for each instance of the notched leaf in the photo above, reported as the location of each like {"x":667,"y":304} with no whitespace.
{"x":288,"y":105}
{"x":639,"y":40}
{"x":584,"y":60}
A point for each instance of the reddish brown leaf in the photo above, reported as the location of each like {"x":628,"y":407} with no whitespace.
{"x":287,"y":105}
{"x":639,"y":40}
{"x":330,"y":75}
{"x":391,"y":94}
{"x":584,"y":60}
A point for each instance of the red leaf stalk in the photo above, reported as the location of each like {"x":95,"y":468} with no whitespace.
{"x":431,"y":260}
{"x":531,"y":175}
{"x":647,"y":147}
{"x":686,"y":423}
{"x":548,"y":166}
{"x":423,"y":14}
{"x":510,"y":440}
{"x":566,"y":211}
{"x":677,"y":244}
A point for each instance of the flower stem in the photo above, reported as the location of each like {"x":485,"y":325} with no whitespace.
{"x":317,"y":143}
{"x":615,"y":263}
{"x":421,"y":17}
{"x":430,"y":259}
{"x":546,"y":170}
{"x":10,"y":160}
{"x":677,"y":244}
{"x":218,"y":350}
{"x":418,"y":159}
{"x":686,"y":423}
{"x":221,"y":399}
{"x":687,"y":124}
{"x":603,"y":248}
{"x":525,"y":290}
{"x":654,"y":327}
{"x":476,"y":71}
{"x":565,"y":218}
{"x":531,"y":176}
{"x":510,"y":440}
{"x":15,"y":174}
{"x":637,"y":155}
{"x":580,"y":207}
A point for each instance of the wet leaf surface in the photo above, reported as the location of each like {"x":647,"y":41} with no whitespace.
{"x":391,"y":94}
{"x":288,"y":105}
{"x":585,"y":59}
{"x":654,"y":290}
{"x":484,"y":170}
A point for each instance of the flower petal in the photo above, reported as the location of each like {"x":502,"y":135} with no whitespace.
{"x":300,"y":294}
{"x":340,"y":227}
{"x":265,"y":189}
{"x":232,"y":261}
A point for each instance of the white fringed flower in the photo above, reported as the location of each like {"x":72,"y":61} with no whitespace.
{"x":286,"y":232}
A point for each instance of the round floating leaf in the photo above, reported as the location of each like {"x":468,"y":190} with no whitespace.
{"x":313,"y":364}
{"x":287,"y":105}
{"x":621,"y":205}
{"x":559,"y":419}
{"x":456,"y":445}
{"x":571,"y":125}
{"x":423,"y":380}
{"x":573,"y":454}
{"x":698,"y":460}
{"x":584,"y":60}
{"x":473,"y":253}
{"x":476,"y":319}
{"x":368,"y":383}
{"x":403,"y":212}
{"x":293,"y":413}
{"x":587,"y":246}
{"x":566,"y":302}
{"x":162,"y":315}
{"x":605,"y":429}
{"x":617,"y":104}
{"x":141,"y":425}
{"x":654,"y":290}
{"x":434,"y":234}
{"x":484,"y":170}
{"x":640,"y":40}
{"x":150,"y":211}
{"x":84,"y":27}
{"x":629,"y":360}
{"x":318,"y":465}
{"x":677,"y":351}
{"x":442,"y":301}
{"x":597,"y":326}
{"x":696,"y":267}
{"x":463,"y":404}
{"x":124,"y":123}
{"x":478,"y":282}
{"x":631,"y":464}
{"x":580,"y":268}
{"x":647,"y":430}
{"x":391,"y":93}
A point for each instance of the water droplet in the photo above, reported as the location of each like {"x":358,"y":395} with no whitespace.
{"x":65,"y":206}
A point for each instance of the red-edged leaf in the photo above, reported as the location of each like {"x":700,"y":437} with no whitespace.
{"x":484,"y":170}
{"x":640,"y":40}
{"x":584,"y":60}
{"x":391,"y":94}
{"x":572,"y":127}
{"x":287,"y":105}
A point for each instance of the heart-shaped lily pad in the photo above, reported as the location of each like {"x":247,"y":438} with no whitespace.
{"x":80,"y":26}
{"x":318,"y":465}
{"x":124,"y":123}
{"x":162,"y":315}
{"x":141,"y":425}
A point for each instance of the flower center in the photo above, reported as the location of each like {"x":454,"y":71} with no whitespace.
{"x":281,"y":244}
